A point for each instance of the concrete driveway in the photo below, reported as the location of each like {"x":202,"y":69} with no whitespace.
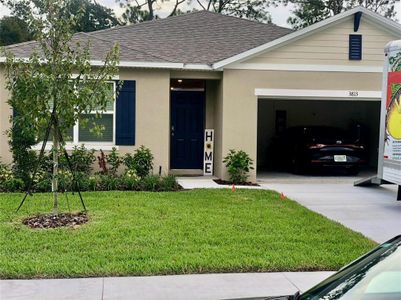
{"x":373,"y":211}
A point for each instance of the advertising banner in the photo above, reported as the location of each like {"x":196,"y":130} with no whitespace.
{"x":392,"y":124}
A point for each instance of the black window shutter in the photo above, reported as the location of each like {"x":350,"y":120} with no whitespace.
{"x":355,"y":47}
{"x":125,"y":114}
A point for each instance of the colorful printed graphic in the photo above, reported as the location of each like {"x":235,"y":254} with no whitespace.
{"x":393,"y":119}
{"x":391,"y":160}
{"x":392,"y":145}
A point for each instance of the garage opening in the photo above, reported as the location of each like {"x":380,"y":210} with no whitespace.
{"x":359,"y":119}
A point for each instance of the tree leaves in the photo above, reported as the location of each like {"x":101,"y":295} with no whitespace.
{"x":309,"y":12}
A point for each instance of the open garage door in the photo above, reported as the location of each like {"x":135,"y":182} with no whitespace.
{"x":359,"y":117}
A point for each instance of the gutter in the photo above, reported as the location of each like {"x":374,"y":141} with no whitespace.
{"x":152,"y":65}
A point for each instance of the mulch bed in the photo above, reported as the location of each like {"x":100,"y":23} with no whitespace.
{"x":54,"y":221}
{"x":225,"y":182}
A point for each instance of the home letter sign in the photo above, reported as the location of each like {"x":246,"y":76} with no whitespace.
{"x":208,"y":152}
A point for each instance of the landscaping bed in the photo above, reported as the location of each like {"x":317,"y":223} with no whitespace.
{"x":225,"y":182}
{"x":199,"y":231}
{"x":133,"y":172}
{"x":44,"y":221}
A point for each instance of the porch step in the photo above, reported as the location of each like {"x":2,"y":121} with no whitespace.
{"x":186,"y":172}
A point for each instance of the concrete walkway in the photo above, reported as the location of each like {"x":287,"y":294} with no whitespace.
{"x":194,"y":287}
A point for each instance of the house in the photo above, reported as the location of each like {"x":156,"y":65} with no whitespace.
{"x":243,"y":79}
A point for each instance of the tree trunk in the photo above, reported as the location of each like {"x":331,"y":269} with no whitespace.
{"x":150,"y":7}
{"x":55,"y":169}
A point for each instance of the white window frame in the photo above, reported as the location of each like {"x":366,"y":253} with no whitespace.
{"x":106,"y":146}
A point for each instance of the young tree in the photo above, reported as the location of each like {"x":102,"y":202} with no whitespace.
{"x":309,"y":12}
{"x":57,"y":79}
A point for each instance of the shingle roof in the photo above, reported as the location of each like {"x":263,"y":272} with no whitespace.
{"x":197,"y":38}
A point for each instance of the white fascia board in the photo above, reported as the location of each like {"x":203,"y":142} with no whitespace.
{"x":305,"y":68}
{"x":318,"y":94}
{"x":387,"y":23}
{"x":159,"y":65}
{"x":199,"y":67}
{"x":391,"y":25}
{"x":141,"y":64}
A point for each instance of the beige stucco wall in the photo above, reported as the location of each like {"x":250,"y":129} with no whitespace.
{"x":152,"y":111}
{"x":239,"y":111}
{"x":152,"y":114}
{"x":213,"y":117}
{"x":5,"y":112}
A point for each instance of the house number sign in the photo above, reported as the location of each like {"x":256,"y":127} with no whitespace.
{"x":208,"y":154}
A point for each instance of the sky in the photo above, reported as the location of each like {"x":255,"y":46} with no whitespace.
{"x":279,"y":14}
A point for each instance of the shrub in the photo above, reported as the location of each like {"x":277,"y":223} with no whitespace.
{"x":93,"y":182}
{"x":8,"y":182}
{"x":154,"y":183}
{"x":150,"y":183}
{"x":5,"y":172}
{"x":141,"y":161}
{"x":81,"y":160}
{"x":238,"y":164}
{"x":65,"y":180}
{"x":169,"y":183}
{"x":128,"y":183}
{"x":21,"y":138}
{"x":101,"y":160}
{"x":42,"y":181}
{"x":108,"y":183}
{"x":114,"y":160}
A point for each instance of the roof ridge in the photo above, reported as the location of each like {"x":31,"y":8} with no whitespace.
{"x":169,"y":18}
{"x":147,"y":22}
{"x":19,"y":44}
{"x":248,"y":20}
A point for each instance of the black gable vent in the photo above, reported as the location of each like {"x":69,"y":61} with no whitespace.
{"x":355,"y":47}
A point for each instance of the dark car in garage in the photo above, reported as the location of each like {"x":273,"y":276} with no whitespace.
{"x":309,"y":148}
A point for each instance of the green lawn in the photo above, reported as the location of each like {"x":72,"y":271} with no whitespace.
{"x":199,"y":231}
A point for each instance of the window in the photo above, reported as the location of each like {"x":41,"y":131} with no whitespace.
{"x":106,"y":120}
{"x":355,"y":47}
{"x":80,"y":134}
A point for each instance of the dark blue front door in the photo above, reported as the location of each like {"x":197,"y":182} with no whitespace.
{"x":187,"y":126}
